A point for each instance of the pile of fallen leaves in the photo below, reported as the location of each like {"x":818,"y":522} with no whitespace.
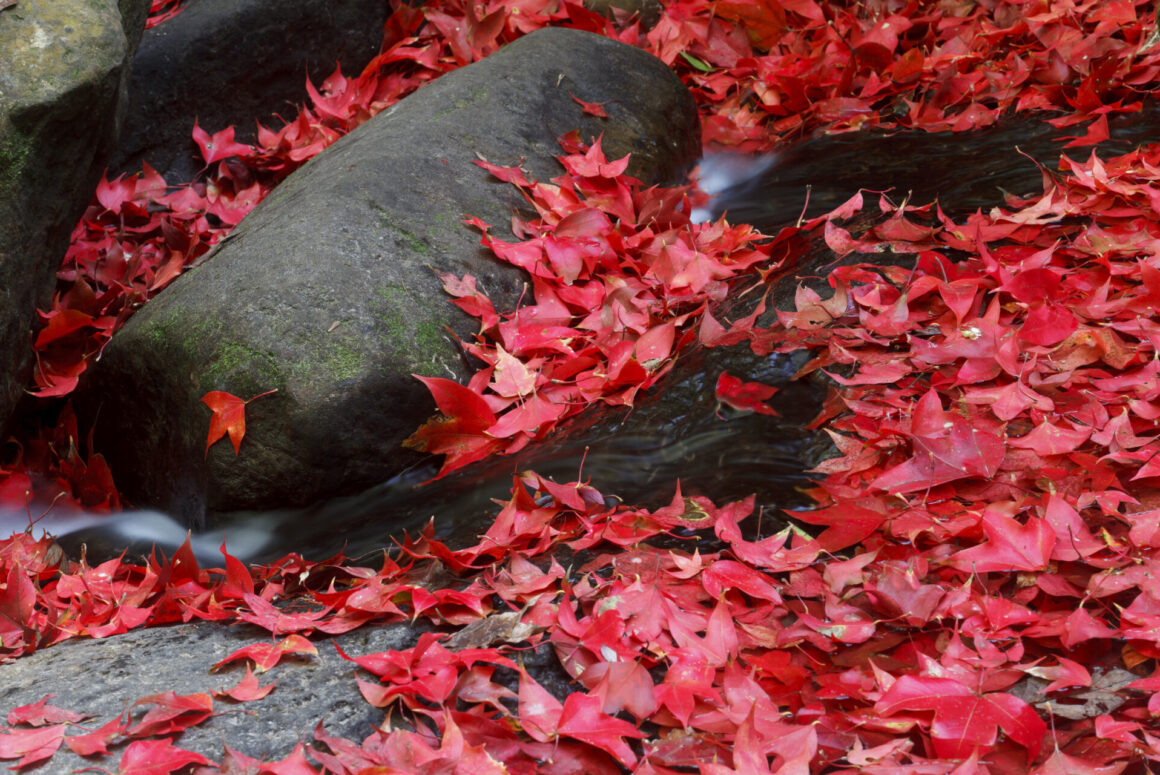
{"x":979,"y":597}
{"x":622,"y":281}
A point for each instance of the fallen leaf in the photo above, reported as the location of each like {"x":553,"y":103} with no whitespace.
{"x":745,"y":396}
{"x":40,"y":713}
{"x":229,"y":416}
{"x":591,"y":108}
{"x":267,"y":655}
{"x":247,"y":689}
{"x":31,"y":745}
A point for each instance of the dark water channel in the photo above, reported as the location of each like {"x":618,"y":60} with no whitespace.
{"x":677,"y":432}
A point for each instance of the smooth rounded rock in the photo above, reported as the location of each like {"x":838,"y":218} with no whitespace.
{"x":327,"y":291}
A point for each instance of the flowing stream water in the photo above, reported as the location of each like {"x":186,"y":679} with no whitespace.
{"x":678,"y":432}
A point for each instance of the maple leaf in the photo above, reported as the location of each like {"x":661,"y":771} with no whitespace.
{"x":744,"y":396}
{"x":171,"y":712}
{"x":581,"y":718}
{"x":459,"y":432}
{"x":847,"y":523}
{"x":31,"y":746}
{"x":97,"y":741}
{"x":239,"y":582}
{"x":266,"y":655}
{"x":247,"y":689}
{"x":963,"y":719}
{"x":1050,"y":439}
{"x":1009,"y":545}
{"x":274,"y":619}
{"x":621,"y":685}
{"x":1065,"y":675}
{"x":40,"y":713}
{"x":154,"y":757}
{"x":229,"y":415}
{"x":947,"y":447}
{"x":17,"y":606}
{"x":1073,"y":538}
{"x":534,"y":416}
{"x":1060,"y":763}
{"x":220,"y":146}
{"x":763,"y":20}
{"x":511,"y":378}
{"x":539,"y":711}
{"x":591,"y":108}
{"x":1047,"y":325}
{"x":688,"y":679}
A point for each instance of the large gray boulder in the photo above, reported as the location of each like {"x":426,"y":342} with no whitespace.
{"x":231,"y":62}
{"x":62,"y":83}
{"x":327,"y":292}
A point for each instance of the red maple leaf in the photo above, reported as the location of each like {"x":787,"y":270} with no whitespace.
{"x":1009,"y":545}
{"x":247,"y":689}
{"x":744,"y":396}
{"x":97,"y":741}
{"x":964,"y":719}
{"x":31,"y":745}
{"x":154,"y":757}
{"x":266,"y":655}
{"x":40,"y":713}
{"x":458,"y":433}
{"x":229,"y":416}
{"x":171,"y":712}
{"x":220,"y":146}
{"x":591,"y":108}
{"x":947,"y":446}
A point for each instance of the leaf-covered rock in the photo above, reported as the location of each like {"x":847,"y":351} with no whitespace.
{"x":328,"y":291}
{"x":105,"y":676}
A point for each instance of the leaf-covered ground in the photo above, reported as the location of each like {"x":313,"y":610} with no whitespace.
{"x":980,"y":596}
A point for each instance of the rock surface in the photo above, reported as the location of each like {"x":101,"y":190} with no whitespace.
{"x":103,"y":677}
{"x":327,"y":292}
{"x":229,"y":62}
{"x":65,"y":66}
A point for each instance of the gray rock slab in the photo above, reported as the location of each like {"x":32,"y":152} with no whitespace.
{"x":63,"y":72}
{"x":328,"y":291}
{"x":103,"y":677}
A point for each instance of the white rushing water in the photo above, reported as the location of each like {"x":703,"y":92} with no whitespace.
{"x":138,"y":531}
{"x":719,"y":172}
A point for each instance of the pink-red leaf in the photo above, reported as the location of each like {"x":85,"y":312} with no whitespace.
{"x":267,"y":655}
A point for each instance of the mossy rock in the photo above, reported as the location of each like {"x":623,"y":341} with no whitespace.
{"x":328,"y":291}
